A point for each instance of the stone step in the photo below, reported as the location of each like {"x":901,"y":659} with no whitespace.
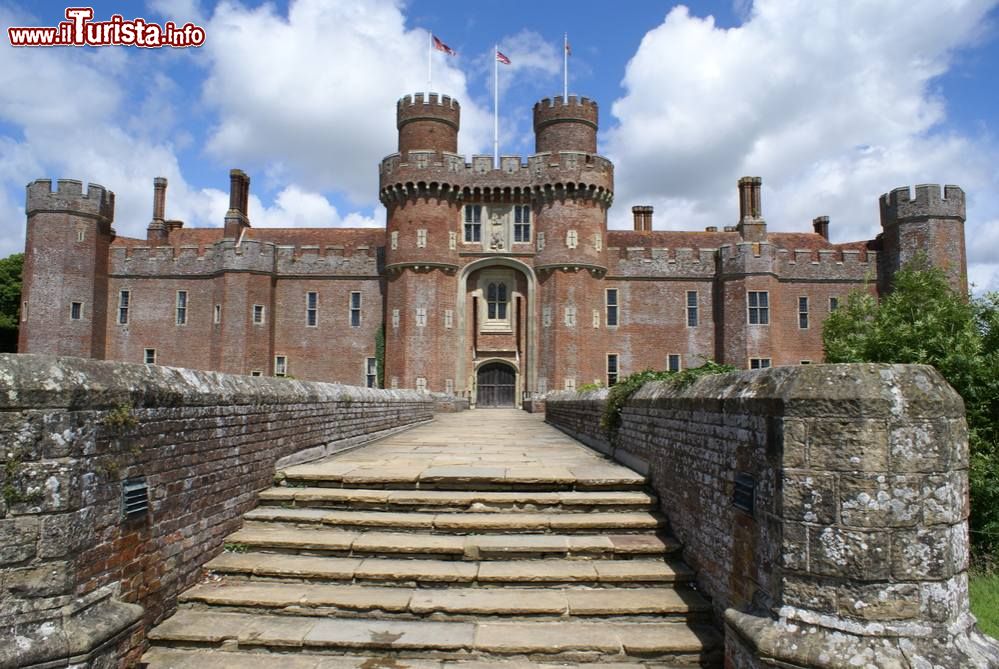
{"x":604,"y":640}
{"x":417,"y":475}
{"x":459,"y":500}
{"x":465,"y":523}
{"x":185,"y":658}
{"x":456,"y":602}
{"x":407,"y":572}
{"x":329,"y":541}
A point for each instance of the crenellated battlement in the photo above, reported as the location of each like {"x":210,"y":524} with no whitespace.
{"x":69,"y":197}
{"x":572,"y":173}
{"x":423,"y":107}
{"x":565,"y":125}
{"x":661,"y":262}
{"x":250,"y":254}
{"x":930,"y":201}
{"x":557,"y":108}
{"x":844,"y":264}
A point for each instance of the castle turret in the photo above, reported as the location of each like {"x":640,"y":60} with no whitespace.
{"x":423,"y":201}
{"x":565,"y":126}
{"x":64,"y":293}
{"x":929,"y":225}
{"x":427,"y":123}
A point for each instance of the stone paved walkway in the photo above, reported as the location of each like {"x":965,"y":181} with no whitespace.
{"x":485,"y":540}
{"x":487,"y":445}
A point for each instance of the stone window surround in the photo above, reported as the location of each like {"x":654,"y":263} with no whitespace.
{"x":497,"y":276}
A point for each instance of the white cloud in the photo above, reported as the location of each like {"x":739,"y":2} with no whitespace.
{"x":831,"y":103}
{"x":317,"y":88}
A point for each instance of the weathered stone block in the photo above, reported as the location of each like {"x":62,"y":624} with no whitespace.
{"x":857,"y":445}
{"x":809,"y":497}
{"x":808,"y":593}
{"x":927,"y":553}
{"x":64,"y":533}
{"x":794,"y":548}
{"x":959,"y":454}
{"x":944,"y":601}
{"x":879,"y":500}
{"x":18,"y":537}
{"x":922,"y":446}
{"x":882,"y":601}
{"x":852,"y":554}
{"x":946,"y":499}
{"x":55,"y":578}
{"x":793,"y":431}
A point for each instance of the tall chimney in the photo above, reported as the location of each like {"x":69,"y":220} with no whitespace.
{"x":159,"y":198}
{"x":750,"y":206}
{"x":751,"y":226}
{"x":821,"y":226}
{"x":642,"y":217}
{"x":239,"y":195}
{"x":235,"y":198}
{"x":157,"y":231}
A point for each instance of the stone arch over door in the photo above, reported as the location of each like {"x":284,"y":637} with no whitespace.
{"x":496,"y":384}
{"x":526,"y":369}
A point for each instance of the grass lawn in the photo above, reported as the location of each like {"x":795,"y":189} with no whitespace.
{"x":985,"y":601}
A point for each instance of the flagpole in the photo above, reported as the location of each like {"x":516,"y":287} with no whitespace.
{"x":430,"y":61}
{"x":565,"y":68}
{"x":495,"y":105}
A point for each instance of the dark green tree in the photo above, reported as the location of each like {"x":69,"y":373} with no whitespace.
{"x":924,"y":321}
{"x":10,"y":300}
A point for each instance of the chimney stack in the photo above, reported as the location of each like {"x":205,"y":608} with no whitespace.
{"x":159,"y":198}
{"x":751,"y":226}
{"x":239,"y":195}
{"x":643,"y":217}
{"x":821,"y":226}
{"x":156,"y":231}
{"x":750,"y":206}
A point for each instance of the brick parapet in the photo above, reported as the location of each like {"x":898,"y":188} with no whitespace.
{"x":858,"y":536}
{"x":71,"y":430}
{"x":249,"y":255}
{"x":679,"y":263}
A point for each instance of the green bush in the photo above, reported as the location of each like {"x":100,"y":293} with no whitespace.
{"x":923,"y":320}
{"x":622,"y":391}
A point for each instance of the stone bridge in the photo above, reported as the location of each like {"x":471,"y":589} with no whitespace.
{"x":793,"y":517}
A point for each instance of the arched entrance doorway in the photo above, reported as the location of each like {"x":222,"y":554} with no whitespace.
{"x":496,"y":384}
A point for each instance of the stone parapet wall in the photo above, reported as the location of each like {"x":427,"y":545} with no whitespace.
{"x":73,"y":572}
{"x":855,"y":547}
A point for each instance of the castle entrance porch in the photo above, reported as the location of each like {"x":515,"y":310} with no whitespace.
{"x":496,"y":385}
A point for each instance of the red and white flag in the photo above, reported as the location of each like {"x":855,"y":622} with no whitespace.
{"x":502,"y":58}
{"x":441,"y":46}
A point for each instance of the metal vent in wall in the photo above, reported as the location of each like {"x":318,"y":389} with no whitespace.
{"x":134,"y":498}
{"x":744,"y":496}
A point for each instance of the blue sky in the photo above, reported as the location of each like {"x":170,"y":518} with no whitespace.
{"x":831,"y":103}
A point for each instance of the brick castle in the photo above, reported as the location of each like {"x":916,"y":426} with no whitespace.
{"x":491,"y":282}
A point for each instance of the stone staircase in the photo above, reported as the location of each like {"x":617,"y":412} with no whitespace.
{"x":487,"y":539}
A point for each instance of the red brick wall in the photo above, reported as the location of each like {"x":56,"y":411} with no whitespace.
{"x":206,"y":444}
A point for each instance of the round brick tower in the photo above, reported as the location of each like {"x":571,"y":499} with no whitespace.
{"x":573,"y":189}
{"x":427,"y":123}
{"x":565,"y":126}
{"x":420,"y":188}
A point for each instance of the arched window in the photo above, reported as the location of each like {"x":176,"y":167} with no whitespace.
{"x":496,"y":298}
